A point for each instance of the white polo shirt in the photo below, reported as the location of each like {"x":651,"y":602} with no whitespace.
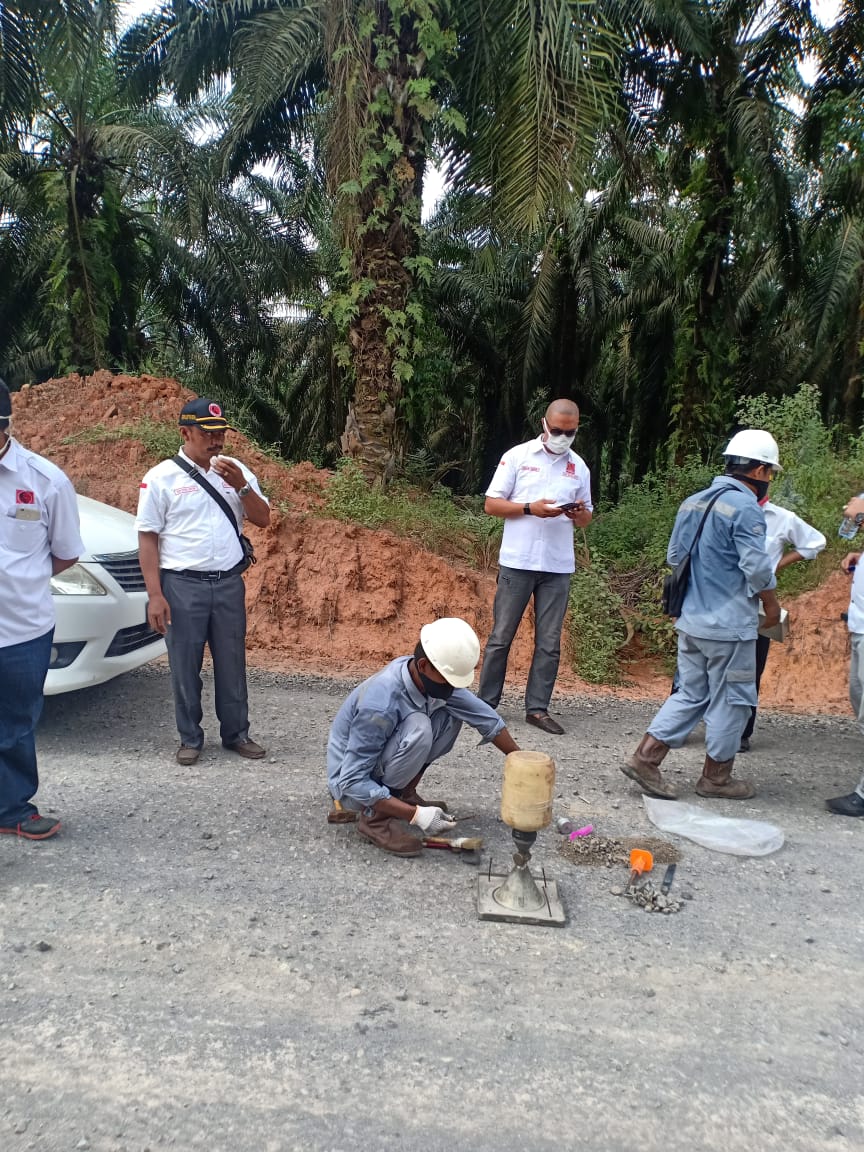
{"x":39,"y":520}
{"x":194,"y":532}
{"x":783,"y":528}
{"x":527,"y":473}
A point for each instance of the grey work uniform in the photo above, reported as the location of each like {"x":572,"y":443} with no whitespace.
{"x":716,"y":673}
{"x":387,"y":731}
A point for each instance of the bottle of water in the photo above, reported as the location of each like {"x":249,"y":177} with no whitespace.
{"x":849,"y":526}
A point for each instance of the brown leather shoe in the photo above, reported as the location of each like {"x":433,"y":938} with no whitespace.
{"x":387,"y":833}
{"x":247,"y":748}
{"x":644,"y":767}
{"x":545,"y":722}
{"x":187,"y":756}
{"x":716,"y":781}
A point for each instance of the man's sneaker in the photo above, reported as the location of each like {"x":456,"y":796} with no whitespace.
{"x":187,"y":755}
{"x":851,"y":805}
{"x":248,"y":748}
{"x":35,"y":827}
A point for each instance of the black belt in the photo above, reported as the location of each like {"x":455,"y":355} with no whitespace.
{"x":194,"y":574}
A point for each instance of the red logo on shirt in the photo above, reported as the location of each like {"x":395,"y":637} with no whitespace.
{"x":142,"y":485}
{"x":24,"y":496}
{"x":215,"y":410}
{"x":570,"y":470}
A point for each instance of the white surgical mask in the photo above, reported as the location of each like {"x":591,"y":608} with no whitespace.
{"x":557,"y":444}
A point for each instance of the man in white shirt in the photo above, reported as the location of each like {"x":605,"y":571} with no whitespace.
{"x":853,"y":804}
{"x":788,"y":540}
{"x":541,"y":489}
{"x":193,"y":561}
{"x":39,"y":538}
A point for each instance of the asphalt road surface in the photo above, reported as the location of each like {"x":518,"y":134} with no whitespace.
{"x":200,"y":961}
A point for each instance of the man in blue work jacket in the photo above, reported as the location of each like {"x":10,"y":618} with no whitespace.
{"x":396,"y":723}
{"x":730,"y":572}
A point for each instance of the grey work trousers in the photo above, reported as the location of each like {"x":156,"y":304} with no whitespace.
{"x":856,"y":688}
{"x":516,"y":586}
{"x":416,"y":743}
{"x":211,"y":612}
{"x":716,"y":682}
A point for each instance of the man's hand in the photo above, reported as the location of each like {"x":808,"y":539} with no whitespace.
{"x":159,"y":614}
{"x":849,"y":561}
{"x":580,"y":515}
{"x":545,"y":508}
{"x":771,"y":606}
{"x":230,"y":472}
{"x":855,"y":507}
{"x":432,"y":820}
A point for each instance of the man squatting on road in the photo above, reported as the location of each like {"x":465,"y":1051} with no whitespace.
{"x":193,"y":561}
{"x":541,"y":489}
{"x":39,"y":538}
{"x":730,"y":571}
{"x":853,"y":804}
{"x":397,"y":723}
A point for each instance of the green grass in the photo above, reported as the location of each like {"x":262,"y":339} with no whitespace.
{"x":457,"y":529}
{"x":160,"y":441}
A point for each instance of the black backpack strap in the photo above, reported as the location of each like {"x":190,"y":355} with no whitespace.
{"x":710,"y":505}
{"x":199,"y":478}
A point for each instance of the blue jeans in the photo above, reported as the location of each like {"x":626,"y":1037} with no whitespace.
{"x":551,"y":591}
{"x":23,"y":668}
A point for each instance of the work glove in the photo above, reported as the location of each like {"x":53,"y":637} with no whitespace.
{"x":432,"y":820}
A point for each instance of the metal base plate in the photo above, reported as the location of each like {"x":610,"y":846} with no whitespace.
{"x":552,"y":912}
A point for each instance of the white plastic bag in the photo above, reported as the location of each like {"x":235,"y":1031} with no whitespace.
{"x":719,"y":833}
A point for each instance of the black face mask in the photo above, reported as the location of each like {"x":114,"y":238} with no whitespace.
{"x":761,"y":486}
{"x":434,"y":690}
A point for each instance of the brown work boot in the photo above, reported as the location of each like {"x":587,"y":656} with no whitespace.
{"x":409,"y":795}
{"x":716,"y":781}
{"x":386,"y":832}
{"x":644,"y":767}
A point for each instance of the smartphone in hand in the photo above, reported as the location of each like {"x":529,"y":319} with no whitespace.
{"x":571,"y":506}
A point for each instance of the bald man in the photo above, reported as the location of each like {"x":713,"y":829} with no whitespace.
{"x":540,"y":490}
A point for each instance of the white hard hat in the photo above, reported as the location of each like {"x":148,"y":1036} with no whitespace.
{"x":451,"y":646}
{"x":754,"y":444}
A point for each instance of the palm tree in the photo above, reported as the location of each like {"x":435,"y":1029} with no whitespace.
{"x":123,"y":242}
{"x":512,"y":92}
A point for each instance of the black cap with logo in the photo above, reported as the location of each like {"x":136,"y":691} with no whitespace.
{"x":203,"y":413}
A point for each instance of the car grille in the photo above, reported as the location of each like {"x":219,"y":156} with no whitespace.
{"x":131,"y":639}
{"x":125,"y":569}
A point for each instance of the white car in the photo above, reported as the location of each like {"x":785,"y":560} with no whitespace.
{"x":101,"y":605}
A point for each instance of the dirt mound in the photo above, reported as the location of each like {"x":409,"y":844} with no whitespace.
{"x":335,"y":597}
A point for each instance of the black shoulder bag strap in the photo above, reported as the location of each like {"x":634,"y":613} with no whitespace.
{"x":709,"y":506}
{"x":199,"y":478}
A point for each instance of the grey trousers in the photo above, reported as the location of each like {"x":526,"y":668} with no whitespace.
{"x":515,"y":588}
{"x":716,"y":682}
{"x":856,"y":688}
{"x":211,"y":612}
{"x":415,"y":743}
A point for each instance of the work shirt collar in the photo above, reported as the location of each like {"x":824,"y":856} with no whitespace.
{"x":415,"y":695}
{"x":10,"y":459}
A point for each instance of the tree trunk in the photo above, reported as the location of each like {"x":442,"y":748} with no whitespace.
{"x":386,"y":236}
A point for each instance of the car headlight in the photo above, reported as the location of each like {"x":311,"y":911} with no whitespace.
{"x":76,"y":581}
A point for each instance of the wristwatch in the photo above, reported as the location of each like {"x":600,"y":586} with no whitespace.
{"x":526,"y":508}
{"x":244,"y":491}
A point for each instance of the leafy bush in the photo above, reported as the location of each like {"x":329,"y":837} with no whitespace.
{"x":597,"y":625}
